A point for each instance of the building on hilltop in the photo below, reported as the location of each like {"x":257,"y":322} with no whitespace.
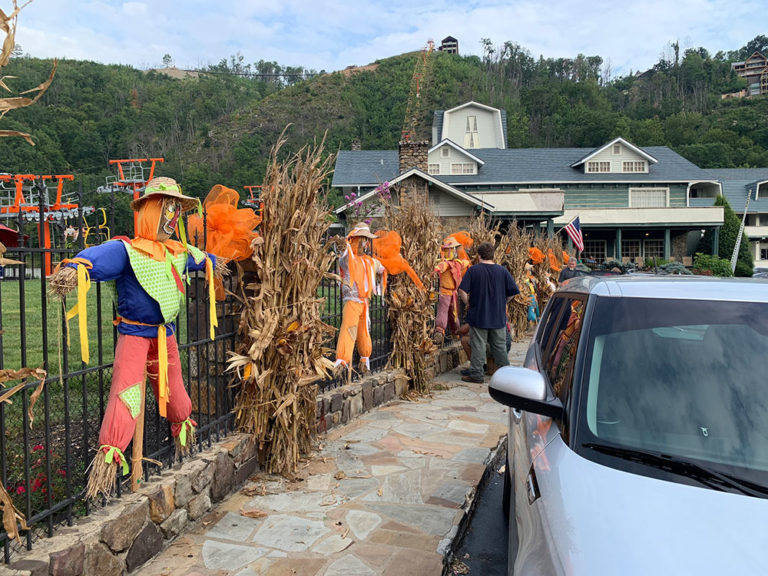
{"x":449,"y":45}
{"x":755,"y":70}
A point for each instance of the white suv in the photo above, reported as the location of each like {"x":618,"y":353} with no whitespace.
{"x":638,"y":430}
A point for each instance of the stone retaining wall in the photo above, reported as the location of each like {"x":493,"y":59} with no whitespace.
{"x":340,"y":405}
{"x":129,"y":531}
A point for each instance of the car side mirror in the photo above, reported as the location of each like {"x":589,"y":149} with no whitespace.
{"x":524,"y":389}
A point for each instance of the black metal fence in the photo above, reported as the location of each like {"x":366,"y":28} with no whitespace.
{"x":44,"y":463}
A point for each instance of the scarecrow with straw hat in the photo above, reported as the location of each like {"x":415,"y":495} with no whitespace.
{"x":149,"y":271}
{"x":450,"y":270}
{"x":359,"y":281}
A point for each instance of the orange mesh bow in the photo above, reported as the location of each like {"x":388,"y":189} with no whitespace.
{"x":230,"y":229}
{"x":536,"y":255}
{"x":386,"y":248}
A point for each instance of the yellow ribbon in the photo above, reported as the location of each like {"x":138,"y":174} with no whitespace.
{"x":214,"y":322}
{"x":110,"y":457}
{"x":81,"y":309}
{"x":162,"y":371}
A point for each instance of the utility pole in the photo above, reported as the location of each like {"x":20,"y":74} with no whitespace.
{"x":735,"y":254}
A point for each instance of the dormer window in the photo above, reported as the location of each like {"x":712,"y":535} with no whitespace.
{"x":434,"y":169}
{"x":634,"y":167}
{"x":471,"y":138}
{"x":616,"y":149}
{"x":445,"y":152}
{"x":595,"y":167}
{"x":462,"y":168}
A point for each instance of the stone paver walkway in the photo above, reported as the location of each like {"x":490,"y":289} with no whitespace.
{"x":384,"y":495}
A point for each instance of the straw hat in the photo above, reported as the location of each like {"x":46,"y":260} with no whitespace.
{"x":450,"y":242}
{"x":163,"y":186}
{"x":361,"y":229}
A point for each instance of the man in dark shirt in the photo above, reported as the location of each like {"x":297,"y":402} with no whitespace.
{"x":569,"y":272}
{"x":485,"y":289}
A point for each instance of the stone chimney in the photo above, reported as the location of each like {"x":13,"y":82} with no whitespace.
{"x":413,"y":155}
{"x":356,"y":144}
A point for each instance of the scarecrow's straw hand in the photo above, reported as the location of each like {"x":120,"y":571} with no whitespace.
{"x":337,"y":244}
{"x":221,"y":269}
{"x":62,"y":282}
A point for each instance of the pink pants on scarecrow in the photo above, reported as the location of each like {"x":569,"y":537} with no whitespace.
{"x":135,"y":358}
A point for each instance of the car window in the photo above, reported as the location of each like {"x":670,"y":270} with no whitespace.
{"x":561,"y":354}
{"x":550,"y":321}
{"x":679,"y":377}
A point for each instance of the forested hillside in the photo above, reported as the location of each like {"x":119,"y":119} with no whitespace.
{"x":218,"y":127}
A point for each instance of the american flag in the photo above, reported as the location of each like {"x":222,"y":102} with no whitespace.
{"x":573,"y":229}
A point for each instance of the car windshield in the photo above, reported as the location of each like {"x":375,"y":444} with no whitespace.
{"x":681,"y":378}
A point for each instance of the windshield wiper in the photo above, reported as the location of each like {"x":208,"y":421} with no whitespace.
{"x":681,"y":466}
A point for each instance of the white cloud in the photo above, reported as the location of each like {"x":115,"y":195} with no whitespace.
{"x":333,"y":35}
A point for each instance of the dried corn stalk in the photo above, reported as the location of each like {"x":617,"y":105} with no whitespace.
{"x":280,"y":352}
{"x":512,"y":253}
{"x":8,"y":27}
{"x":412,"y":311}
{"x":12,"y":518}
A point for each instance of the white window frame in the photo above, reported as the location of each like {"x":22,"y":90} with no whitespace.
{"x":652,"y":245}
{"x":636,"y":249}
{"x":636,"y":203}
{"x":595,"y":250}
{"x":462,"y":168}
{"x":471,"y":133}
{"x":616,"y":149}
{"x":598,"y":167}
{"x":634,"y":166}
{"x":445,"y":152}
{"x":434,"y":168}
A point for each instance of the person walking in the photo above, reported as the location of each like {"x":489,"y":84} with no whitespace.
{"x":485,"y":289}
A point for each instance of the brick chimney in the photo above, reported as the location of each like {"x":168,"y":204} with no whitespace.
{"x":413,"y":155}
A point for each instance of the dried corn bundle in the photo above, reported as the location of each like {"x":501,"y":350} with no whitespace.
{"x":483,"y":229}
{"x":512,"y":253}
{"x":280,"y":351}
{"x":547,"y":272}
{"x":411,"y":310}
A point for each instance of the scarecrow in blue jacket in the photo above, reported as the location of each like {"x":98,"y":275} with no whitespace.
{"x":149,"y":272}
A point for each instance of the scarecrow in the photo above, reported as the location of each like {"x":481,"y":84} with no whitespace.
{"x":149,"y":274}
{"x":450,"y":270}
{"x":359,"y":282}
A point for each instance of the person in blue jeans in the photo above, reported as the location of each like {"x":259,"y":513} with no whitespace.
{"x":485,"y":289}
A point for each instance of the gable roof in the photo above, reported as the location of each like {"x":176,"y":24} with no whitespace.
{"x":520,"y":166}
{"x":364,"y":167}
{"x":620,"y":140}
{"x":462,"y":151}
{"x":442,"y":186}
{"x":439,"y":117}
{"x":737,"y":181}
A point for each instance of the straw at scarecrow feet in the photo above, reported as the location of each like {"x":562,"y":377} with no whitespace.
{"x":279,"y":355}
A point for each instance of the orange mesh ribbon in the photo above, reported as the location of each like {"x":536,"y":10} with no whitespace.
{"x":386,"y":248}
{"x":230,"y":229}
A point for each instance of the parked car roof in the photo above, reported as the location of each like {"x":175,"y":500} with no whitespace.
{"x":682,"y":287}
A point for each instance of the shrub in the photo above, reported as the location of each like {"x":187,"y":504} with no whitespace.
{"x":717,"y":266}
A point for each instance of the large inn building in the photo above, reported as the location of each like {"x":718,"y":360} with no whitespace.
{"x":633,"y":203}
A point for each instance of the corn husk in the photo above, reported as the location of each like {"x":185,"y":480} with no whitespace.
{"x":12,"y":518}
{"x":280,"y":353}
{"x":411,"y":310}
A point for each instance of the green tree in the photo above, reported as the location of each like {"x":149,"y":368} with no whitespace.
{"x":729,"y":232}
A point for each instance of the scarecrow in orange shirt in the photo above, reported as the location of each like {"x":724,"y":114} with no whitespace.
{"x":359,"y":281}
{"x":149,"y":273}
{"x":450,"y":270}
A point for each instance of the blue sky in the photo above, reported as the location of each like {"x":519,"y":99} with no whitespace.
{"x":330,"y":36}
